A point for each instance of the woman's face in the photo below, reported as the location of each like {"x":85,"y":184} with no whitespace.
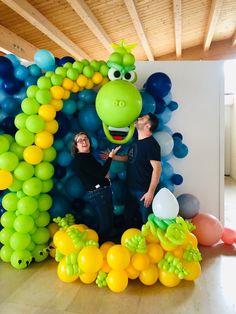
{"x":83,"y":143}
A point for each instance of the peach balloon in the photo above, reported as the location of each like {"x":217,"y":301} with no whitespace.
{"x":228,"y":236}
{"x":208,"y":229}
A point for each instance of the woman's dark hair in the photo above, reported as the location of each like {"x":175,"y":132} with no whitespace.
{"x":74,"y":149}
{"x":153,"y":121}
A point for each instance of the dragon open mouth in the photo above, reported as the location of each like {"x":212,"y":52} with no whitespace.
{"x":119,"y":135}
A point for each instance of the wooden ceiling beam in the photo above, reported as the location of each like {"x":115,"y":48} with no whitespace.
{"x":139,"y":28}
{"x":34,"y":17}
{"x":215,"y":11}
{"x":90,"y":20}
{"x":234,"y":38}
{"x":13,"y":43}
{"x":177,"y":8}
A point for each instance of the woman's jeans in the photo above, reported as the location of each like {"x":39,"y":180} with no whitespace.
{"x":136,"y":214}
{"x":101,"y":201}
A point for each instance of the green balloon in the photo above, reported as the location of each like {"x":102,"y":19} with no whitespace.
{"x":104,"y":69}
{"x":47,"y":186}
{"x":7,"y":219}
{"x":61,"y":71}
{"x":128,"y":59}
{"x":35,"y":216}
{"x":6,"y":253}
{"x":43,"y":96}
{"x":24,"y":171}
{"x":72,"y":74}
{"x":43,"y":219}
{"x":44,"y":170}
{"x":17,"y":150}
{"x":27,"y":205}
{"x":9,"y":137}
{"x":21,"y":259}
{"x":24,"y":137}
{"x":4,"y":144}
{"x":5,"y":235}
{"x":8,"y":161}
{"x":78,"y":66}
{"x":116,"y":58}
{"x":85,"y":62}
{"x":30,"y":105}
{"x":88,"y":71}
{"x":49,"y":73}
{"x":31,"y":246}
{"x":32,"y":186}
{"x":20,"y":120}
{"x":57,"y":79}
{"x":40,"y":253}
{"x":24,"y":223}
{"x":35,"y":123}
{"x":44,"y":82}
{"x":41,"y":236}
{"x":49,"y":154}
{"x":19,"y":241}
{"x":95,"y":65}
{"x":9,"y":201}
{"x":44,"y":202}
{"x":20,"y":194}
{"x":31,"y":91}
{"x":16,"y":185}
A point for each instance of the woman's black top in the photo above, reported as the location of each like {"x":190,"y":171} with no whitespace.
{"x":90,"y":171}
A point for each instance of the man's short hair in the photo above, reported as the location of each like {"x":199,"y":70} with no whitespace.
{"x":153,"y":121}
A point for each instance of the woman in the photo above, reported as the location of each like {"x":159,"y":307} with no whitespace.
{"x":95,"y":179}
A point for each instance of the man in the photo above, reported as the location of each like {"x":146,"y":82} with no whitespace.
{"x":143,"y":171}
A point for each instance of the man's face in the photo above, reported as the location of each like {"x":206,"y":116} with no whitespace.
{"x":141,"y":122}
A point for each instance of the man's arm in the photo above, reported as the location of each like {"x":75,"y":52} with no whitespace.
{"x":156,"y":173}
{"x":105,"y":155}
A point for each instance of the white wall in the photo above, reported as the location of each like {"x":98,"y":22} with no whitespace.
{"x":233,"y":141}
{"x":198,"y":88}
{"x":227,"y":134}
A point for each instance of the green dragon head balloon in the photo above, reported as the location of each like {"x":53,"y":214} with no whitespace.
{"x":119,"y":102}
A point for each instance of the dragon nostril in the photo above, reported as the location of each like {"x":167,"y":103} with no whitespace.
{"x":121,"y":103}
{"x":116,"y":102}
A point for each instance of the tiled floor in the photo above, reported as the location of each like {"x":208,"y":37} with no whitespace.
{"x":230,"y":202}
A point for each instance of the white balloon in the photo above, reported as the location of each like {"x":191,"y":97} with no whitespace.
{"x":165,"y":205}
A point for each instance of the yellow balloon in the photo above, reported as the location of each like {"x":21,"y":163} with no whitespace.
{"x":6,"y":179}
{"x":62,"y":274}
{"x":140,"y":261}
{"x":57,"y":92}
{"x":117,"y":280}
{"x":82,"y":80}
{"x":149,"y":276}
{"x":97,"y":78}
{"x":44,"y":139}
{"x":52,"y":228}
{"x":67,"y":83}
{"x":57,"y":103}
{"x":118,"y":257}
{"x":191,"y":239}
{"x":64,"y":243}
{"x":193,"y":268}
{"x":88,"y":277}
{"x":89,"y":84}
{"x":155,"y":252}
{"x":66,"y":94}
{"x":132,"y":272}
{"x":105,"y":267}
{"x":52,"y":248}
{"x":47,"y":112}
{"x":168,"y":279}
{"x":33,"y":154}
{"x":104,"y":248}
{"x":75,"y":88}
{"x":51,"y":126}
{"x":91,"y":235}
{"x":129,"y":233}
{"x":90,"y":259}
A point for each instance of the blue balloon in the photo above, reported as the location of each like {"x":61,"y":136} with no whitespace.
{"x":64,"y":158}
{"x":88,"y":119}
{"x":35,"y":70}
{"x":158,"y":85}
{"x":167,"y":99}
{"x":59,"y":172}
{"x":8,"y":125}
{"x":31,"y":80}
{"x":173,"y":105}
{"x":3,"y":96}
{"x":11,"y":86}
{"x":60,"y":206}
{"x":20,"y":95}
{"x":149,"y":104}
{"x":88,"y":96}
{"x":11,"y":106}
{"x":167,"y":171}
{"x":6,"y":68}
{"x":119,"y":192}
{"x":45,"y":60}
{"x":180,"y":150}
{"x":64,"y":125}
{"x":13,"y":58}
{"x":177,"y":136}
{"x":165,"y":116}
{"x":189,"y":205}
{"x":74,"y":187}
{"x":58,"y":144}
{"x":177,"y":179}
{"x":21,"y":72}
{"x":64,"y":60}
{"x":160,"y":106}
{"x":69,"y":106}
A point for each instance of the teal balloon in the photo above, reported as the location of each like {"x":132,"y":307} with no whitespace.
{"x":41,"y":236}
{"x":27,"y":205}
{"x":44,"y":202}
{"x":7,"y":219}
{"x":5,"y":235}
{"x":44,"y":170}
{"x":8,"y":161}
{"x":35,"y":123}
{"x":6,"y":253}
{"x":32,"y":186}
{"x":24,"y":223}
{"x":21,"y":259}
{"x":24,"y":137}
{"x":24,"y":171}
{"x":19,"y":241}
{"x":9,"y":201}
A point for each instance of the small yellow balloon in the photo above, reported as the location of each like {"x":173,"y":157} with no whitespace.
{"x":129,"y":233}
{"x":149,"y":276}
{"x":75,"y":88}
{"x":140,"y":261}
{"x":66,"y":94}
{"x":47,"y":112}
{"x":82,"y":80}
{"x":33,"y":154}
{"x":57,"y":92}
{"x":62,"y":273}
{"x":168,"y":279}
{"x":57,"y":103}
{"x":117,"y":280}
{"x":118,"y":257}
{"x":132,"y":272}
{"x":6,"y":179}
{"x":90,"y":259}
{"x":52,"y":126}
{"x":104,"y":248}
{"x":67,"y":83}
{"x":193,"y":268}
{"x":52,"y":228}
{"x":97,"y":78}
{"x":155,"y":252}
{"x":88,"y":277}
{"x":89,"y":84}
{"x":44,"y":139}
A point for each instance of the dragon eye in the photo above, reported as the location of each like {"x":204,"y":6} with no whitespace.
{"x":114,"y":74}
{"x":130,"y":76}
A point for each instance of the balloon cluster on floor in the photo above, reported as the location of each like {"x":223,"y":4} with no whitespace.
{"x":164,"y":249}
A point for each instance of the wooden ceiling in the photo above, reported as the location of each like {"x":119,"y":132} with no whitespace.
{"x":162,"y":29}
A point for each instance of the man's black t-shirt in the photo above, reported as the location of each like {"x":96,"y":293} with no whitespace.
{"x":139,"y":168}
{"x":90,"y":171}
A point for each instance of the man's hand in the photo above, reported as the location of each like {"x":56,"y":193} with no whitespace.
{"x":114,"y":151}
{"x":147,"y":199}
